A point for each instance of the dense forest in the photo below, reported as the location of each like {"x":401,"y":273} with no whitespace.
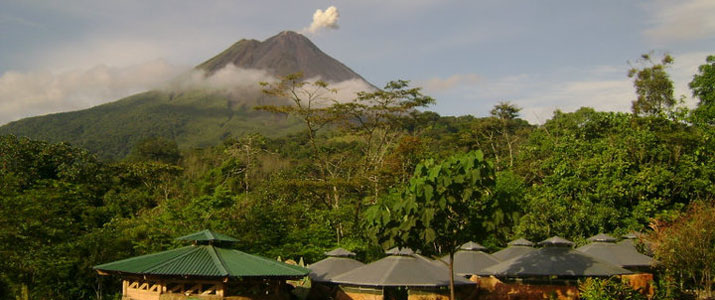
{"x":63,"y":210}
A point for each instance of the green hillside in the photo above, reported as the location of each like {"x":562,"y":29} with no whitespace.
{"x":192,"y":119}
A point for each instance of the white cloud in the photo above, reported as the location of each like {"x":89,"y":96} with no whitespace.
{"x":605,"y":88}
{"x":681,"y":20}
{"x":324,"y":19}
{"x":239,"y":83}
{"x":24,"y":94}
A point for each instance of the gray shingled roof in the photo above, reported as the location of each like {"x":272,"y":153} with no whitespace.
{"x":401,"y":270}
{"x":620,"y":254}
{"x":399,"y":251}
{"x":556,"y":241}
{"x":339,"y":252}
{"x":326,"y":269}
{"x":472,"y":246}
{"x":602,"y":237}
{"x":555,"y":259}
{"x":470,"y":262}
{"x":516,"y":248}
{"x":521,"y":242}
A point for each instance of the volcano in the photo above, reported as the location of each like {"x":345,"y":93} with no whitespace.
{"x":194,"y":118}
{"x":285,"y":53}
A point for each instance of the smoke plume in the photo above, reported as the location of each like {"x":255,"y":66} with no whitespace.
{"x":324,"y":19}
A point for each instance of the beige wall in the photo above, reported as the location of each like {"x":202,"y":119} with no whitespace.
{"x":493,"y":289}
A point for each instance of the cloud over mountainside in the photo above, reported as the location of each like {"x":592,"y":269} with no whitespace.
{"x":24,"y":94}
{"x":38,"y":93}
{"x":240,"y":83}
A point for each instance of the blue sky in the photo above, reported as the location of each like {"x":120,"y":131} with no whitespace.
{"x":541,"y":55}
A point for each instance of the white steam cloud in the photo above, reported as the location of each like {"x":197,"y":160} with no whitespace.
{"x":324,"y":19}
{"x":24,"y":94}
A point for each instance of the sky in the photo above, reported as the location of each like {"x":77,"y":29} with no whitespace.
{"x":469,"y":55}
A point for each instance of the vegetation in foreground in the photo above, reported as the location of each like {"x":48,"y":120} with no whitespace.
{"x":64,"y":210}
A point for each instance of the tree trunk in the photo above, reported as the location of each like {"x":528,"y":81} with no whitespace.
{"x":451,"y":275}
{"x":24,"y":291}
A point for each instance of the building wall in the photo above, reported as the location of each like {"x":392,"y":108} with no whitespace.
{"x":356,"y":293}
{"x":641,"y":282}
{"x":491,"y":288}
{"x":169,"y":289}
{"x":353,"y":293}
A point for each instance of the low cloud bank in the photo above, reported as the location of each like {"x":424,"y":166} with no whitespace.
{"x":243,"y":84}
{"x":24,"y":94}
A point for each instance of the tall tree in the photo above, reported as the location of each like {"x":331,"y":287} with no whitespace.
{"x":506,"y":113}
{"x":654,"y":89}
{"x":703,"y":87}
{"x":379,"y":119}
{"x":443,"y":206}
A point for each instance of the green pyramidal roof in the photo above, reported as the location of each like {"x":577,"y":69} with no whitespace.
{"x":204,"y":261}
{"x":207,"y":235}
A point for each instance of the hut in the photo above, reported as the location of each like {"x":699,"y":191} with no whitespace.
{"x":625,"y":255}
{"x":470,"y":259}
{"x":401,"y":275}
{"x":322,"y":272}
{"x":552,"y":270}
{"x":604,"y":247}
{"x":514,"y":248}
{"x":207,"y":269}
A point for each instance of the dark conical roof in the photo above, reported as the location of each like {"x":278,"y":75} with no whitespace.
{"x":602,"y":237}
{"x":556,"y":241}
{"x":399,"y":251}
{"x":620,"y":254}
{"x":470,"y":262}
{"x":630,"y":236}
{"x":516,"y":248}
{"x":554,"y":261}
{"x":472,"y":246}
{"x":521,"y":242}
{"x":400,"y":270}
{"x":326,"y":269}
{"x":207,"y":236}
{"x":339,"y":252}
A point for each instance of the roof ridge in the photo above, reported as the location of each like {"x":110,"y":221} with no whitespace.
{"x":389,"y":271}
{"x":215,"y":257}
{"x":172,"y":259}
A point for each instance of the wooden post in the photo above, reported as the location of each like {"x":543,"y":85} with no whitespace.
{"x":125,"y":284}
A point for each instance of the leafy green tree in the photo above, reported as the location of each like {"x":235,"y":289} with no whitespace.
{"x":156,"y":149}
{"x":379,"y":120}
{"x":591,"y":172}
{"x":703,"y":87}
{"x":654,"y":87}
{"x":443,"y":206}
